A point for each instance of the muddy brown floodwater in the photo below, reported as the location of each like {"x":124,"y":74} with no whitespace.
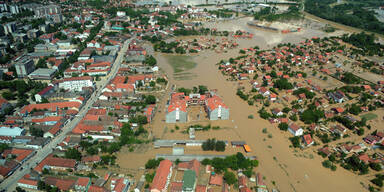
{"x":289,"y":169}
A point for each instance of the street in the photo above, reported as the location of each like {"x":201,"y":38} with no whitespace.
{"x":10,"y":183}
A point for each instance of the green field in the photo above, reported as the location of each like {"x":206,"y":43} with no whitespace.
{"x":181,"y":64}
{"x":369,"y":116}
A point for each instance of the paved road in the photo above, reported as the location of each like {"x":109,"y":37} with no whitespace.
{"x":10,"y":183}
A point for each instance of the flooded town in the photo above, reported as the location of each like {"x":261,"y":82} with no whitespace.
{"x":175,"y":96}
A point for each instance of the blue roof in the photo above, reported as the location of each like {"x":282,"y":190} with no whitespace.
{"x":11,"y":131}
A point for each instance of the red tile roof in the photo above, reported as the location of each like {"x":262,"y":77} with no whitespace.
{"x":51,"y":106}
{"x":62,"y":184}
{"x":201,"y":188}
{"x":214,"y":102}
{"x":160,"y":180}
{"x":192,"y":165}
{"x":82,"y":181}
{"x":176,"y":186}
{"x":21,"y":154}
{"x":56,"y":162}
{"x":94,"y":158}
{"x":28,"y":182}
{"x":216,"y":180}
{"x":94,"y":188}
{"x":47,"y":119}
{"x":308,"y":139}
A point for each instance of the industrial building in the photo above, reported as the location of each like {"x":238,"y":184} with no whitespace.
{"x":42,"y":74}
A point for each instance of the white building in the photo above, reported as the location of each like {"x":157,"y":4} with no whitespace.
{"x":295,"y":130}
{"x":120,"y":13}
{"x":76,"y":83}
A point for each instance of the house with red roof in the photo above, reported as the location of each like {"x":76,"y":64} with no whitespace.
{"x":119,"y":184}
{"x":149,"y":112}
{"x":62,"y":184}
{"x":48,"y":120}
{"x":163,"y":175}
{"x":21,"y":154}
{"x":44,"y":93}
{"x":95,"y":188}
{"x":54,"y":130}
{"x":295,"y":129}
{"x":52,"y":107}
{"x":82,"y":184}
{"x":7,"y":167}
{"x":272,"y":97}
{"x":307,"y":140}
{"x":191,"y":165}
{"x":260,"y":181}
{"x":242,"y":181}
{"x":91,"y":159}
{"x":56,"y":163}
{"x":201,"y":188}
{"x":264,"y":91}
{"x":27,"y":183}
{"x":4,"y":104}
{"x":216,"y":179}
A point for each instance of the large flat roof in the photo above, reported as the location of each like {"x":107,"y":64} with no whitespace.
{"x":190,"y":157}
{"x":171,"y":143}
{"x":11,"y":131}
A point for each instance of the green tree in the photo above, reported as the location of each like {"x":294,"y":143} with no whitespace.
{"x":152,"y":163}
{"x":220,"y":146}
{"x":283,"y":126}
{"x":230,"y":178}
{"x":73,"y":153}
{"x":150,"y":99}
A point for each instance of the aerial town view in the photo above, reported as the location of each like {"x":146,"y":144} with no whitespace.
{"x":192,"y":95}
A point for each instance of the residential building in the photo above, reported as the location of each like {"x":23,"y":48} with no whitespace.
{"x":53,"y":108}
{"x":83,"y":184}
{"x":120,"y":184}
{"x":163,"y":175}
{"x":24,"y":66}
{"x":43,"y":93}
{"x":216,"y":108}
{"x":75,"y":83}
{"x":56,"y":163}
{"x":177,"y":109}
{"x":4,"y":104}
{"x":27,"y":183}
{"x":307,"y":139}
{"x":295,"y":129}
{"x":337,"y":96}
{"x":9,"y":28}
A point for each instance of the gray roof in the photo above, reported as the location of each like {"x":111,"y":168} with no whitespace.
{"x":171,"y":143}
{"x":43,"y":72}
{"x":190,"y":157}
{"x":238,"y":142}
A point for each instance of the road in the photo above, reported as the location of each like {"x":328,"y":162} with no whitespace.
{"x":10,"y":183}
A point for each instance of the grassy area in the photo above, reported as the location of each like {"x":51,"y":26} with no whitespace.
{"x":181,"y":64}
{"x":369,"y":116}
